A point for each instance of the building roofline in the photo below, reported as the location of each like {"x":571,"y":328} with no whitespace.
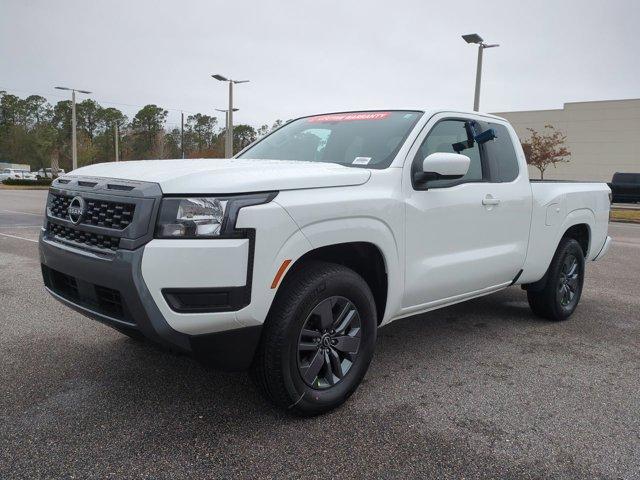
{"x":569,"y":103}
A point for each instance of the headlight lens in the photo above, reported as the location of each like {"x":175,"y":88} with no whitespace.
{"x":191,"y":217}
{"x":203,"y":217}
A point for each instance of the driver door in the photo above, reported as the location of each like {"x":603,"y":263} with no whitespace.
{"x":453,"y":233}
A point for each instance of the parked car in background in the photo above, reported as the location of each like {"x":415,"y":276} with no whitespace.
{"x":27,"y":175}
{"x":625,"y":187}
{"x":48,"y":173}
{"x":13,"y":173}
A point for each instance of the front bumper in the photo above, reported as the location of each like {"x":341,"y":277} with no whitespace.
{"x":110,"y":288}
{"x":605,"y":248}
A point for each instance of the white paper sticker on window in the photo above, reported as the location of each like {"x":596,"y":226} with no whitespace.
{"x":361,"y":161}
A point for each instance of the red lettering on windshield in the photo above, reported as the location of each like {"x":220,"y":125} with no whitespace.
{"x":347,"y":117}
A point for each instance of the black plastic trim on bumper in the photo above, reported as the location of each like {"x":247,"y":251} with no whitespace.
{"x":230,"y":350}
{"x":206,"y":300}
{"x":122,"y":272}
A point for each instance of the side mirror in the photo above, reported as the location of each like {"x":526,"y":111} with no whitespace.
{"x":445,"y":166}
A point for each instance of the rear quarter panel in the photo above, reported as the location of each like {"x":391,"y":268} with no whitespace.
{"x":557,"y":206}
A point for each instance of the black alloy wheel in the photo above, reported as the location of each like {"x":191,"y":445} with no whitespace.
{"x":556,"y":296}
{"x":329,"y":342}
{"x":318,"y":339}
{"x":568,"y":281}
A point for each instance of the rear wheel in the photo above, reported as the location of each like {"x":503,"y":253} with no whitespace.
{"x":318,"y":340}
{"x":558,"y":298}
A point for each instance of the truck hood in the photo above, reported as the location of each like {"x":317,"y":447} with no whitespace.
{"x":228,"y":175}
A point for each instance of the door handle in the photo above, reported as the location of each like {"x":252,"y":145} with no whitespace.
{"x":489,"y":200}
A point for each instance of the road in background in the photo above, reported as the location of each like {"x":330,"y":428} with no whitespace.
{"x":626,"y":206}
{"x":480,"y":389}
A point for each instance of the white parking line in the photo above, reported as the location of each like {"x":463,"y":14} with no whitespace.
{"x":22,"y":213}
{"x":19,"y":238}
{"x":20,"y":226}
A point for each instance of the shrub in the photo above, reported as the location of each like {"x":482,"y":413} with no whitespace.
{"x":31,"y":183}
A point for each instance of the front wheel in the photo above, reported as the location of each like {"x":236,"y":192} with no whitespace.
{"x":559,"y":296}
{"x":318,"y":340}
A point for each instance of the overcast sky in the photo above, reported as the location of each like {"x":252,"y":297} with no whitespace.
{"x":307,"y":57}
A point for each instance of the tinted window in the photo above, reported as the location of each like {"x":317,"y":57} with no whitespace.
{"x":450,"y":136}
{"x":501,"y":154}
{"x":359,"y":139}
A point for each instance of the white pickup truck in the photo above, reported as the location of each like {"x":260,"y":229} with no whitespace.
{"x":287,"y":258}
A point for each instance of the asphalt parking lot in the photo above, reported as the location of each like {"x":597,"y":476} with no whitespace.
{"x":478,"y":390}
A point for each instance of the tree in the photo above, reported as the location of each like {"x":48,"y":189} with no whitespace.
{"x":104,"y":141}
{"x":546,"y":148}
{"x":36,"y":111}
{"x":88,"y":117}
{"x":262,"y":131}
{"x":61,"y":122}
{"x":35,"y":132}
{"x":11,"y":110}
{"x":243,"y":135}
{"x":172,"y":143}
{"x":148,"y":126}
{"x":200,"y":132}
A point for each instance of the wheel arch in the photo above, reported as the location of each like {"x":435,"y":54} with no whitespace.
{"x":581,"y":232}
{"x":364,"y":258}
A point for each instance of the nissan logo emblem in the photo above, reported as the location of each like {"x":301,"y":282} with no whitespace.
{"x":75,"y":210}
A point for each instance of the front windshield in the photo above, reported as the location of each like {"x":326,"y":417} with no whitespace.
{"x":359,"y":139}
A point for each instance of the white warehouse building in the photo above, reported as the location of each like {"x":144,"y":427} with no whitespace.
{"x":603,"y":137}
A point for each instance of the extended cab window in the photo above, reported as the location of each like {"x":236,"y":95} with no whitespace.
{"x":501,"y":154}
{"x":358,"y":139}
{"x":451,"y":136}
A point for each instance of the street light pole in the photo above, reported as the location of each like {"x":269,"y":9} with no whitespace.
{"x":74,"y":144}
{"x":475,"y":38}
{"x":226,"y":129}
{"x":74,"y":140}
{"x":228,"y":145}
{"x":476,"y":95}
{"x":182,"y":133}
{"x":116,"y":134}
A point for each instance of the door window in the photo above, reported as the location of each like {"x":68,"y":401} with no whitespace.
{"x":451,"y":136}
{"x":501,"y":154}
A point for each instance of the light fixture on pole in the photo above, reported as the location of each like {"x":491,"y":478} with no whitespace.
{"x":228,"y":146}
{"x":226,"y":118}
{"x":74,"y":146}
{"x":475,"y":38}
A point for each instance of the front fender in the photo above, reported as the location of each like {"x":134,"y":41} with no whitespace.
{"x":364,"y":229}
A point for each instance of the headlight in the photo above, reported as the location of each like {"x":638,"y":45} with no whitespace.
{"x":203,"y":217}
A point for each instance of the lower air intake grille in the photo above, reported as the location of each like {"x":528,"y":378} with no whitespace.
{"x":98,"y":298}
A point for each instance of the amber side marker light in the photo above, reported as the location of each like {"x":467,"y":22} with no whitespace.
{"x":280,"y":272}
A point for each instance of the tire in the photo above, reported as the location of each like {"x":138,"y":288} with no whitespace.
{"x":560,"y":294}
{"x":314,"y":296}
